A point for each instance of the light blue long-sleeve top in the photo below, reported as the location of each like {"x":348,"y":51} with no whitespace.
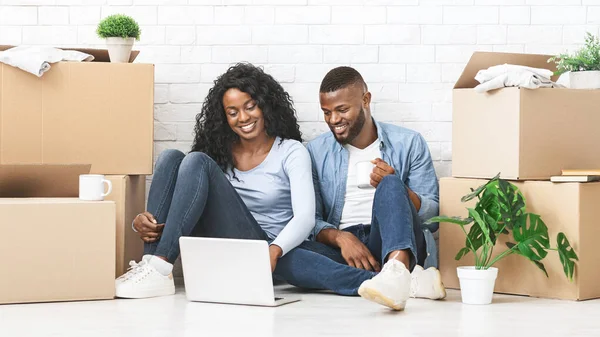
{"x":279,"y":193}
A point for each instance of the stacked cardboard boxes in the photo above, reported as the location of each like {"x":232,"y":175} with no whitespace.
{"x":528,"y":136}
{"x":90,"y":117}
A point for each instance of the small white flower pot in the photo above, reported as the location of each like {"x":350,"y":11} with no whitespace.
{"x":119,"y":49}
{"x":584,"y":79}
{"x":477,"y":286}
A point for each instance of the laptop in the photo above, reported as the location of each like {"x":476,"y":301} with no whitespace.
{"x":231,"y":271}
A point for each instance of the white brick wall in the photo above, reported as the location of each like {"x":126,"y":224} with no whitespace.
{"x":410,"y":51}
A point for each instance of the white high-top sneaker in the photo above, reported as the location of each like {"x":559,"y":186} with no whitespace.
{"x":427,"y":283}
{"x":391,"y":287}
{"x":143,"y":281}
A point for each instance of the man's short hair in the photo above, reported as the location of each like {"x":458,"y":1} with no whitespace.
{"x":341,"y":77}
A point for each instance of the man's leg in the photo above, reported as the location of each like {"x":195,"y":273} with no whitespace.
{"x":314,"y":265}
{"x":395,"y":225}
{"x":395,"y":232}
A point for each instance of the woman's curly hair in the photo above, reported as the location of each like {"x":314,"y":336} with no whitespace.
{"x":214,"y":135}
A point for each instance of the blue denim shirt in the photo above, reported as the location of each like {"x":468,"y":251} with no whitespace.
{"x":403,"y":149}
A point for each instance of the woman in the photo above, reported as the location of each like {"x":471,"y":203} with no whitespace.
{"x":248,"y":177}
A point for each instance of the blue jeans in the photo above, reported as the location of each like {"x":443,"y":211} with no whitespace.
{"x":192,"y":197}
{"x":395,"y":225}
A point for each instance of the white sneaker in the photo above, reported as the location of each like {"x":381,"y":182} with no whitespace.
{"x":427,"y":283}
{"x":132,"y":266}
{"x":391,"y":287}
{"x":143,"y":281}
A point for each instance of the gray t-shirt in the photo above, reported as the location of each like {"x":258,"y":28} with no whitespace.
{"x":279,"y":193}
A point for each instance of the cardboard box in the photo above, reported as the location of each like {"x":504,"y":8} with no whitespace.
{"x":564,"y":207}
{"x":522,"y":133}
{"x":129,"y":195}
{"x":54,"y":249}
{"x":40,"y":181}
{"x":96,"y":113}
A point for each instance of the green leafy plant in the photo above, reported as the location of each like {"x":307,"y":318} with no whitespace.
{"x":118,"y":25}
{"x":500,"y":210}
{"x":585,"y":59}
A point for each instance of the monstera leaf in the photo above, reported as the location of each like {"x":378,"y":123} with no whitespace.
{"x":450,"y":219}
{"x":483,"y":226}
{"x":464,"y":251}
{"x":481,"y":236}
{"x":567,"y":255}
{"x":532,"y":239}
{"x":489,"y":203}
{"x":475,"y":238}
{"x":511,"y":203}
{"x":461,"y":222}
{"x":476,"y":192}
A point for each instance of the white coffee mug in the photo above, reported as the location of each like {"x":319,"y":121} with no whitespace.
{"x":363,"y":174}
{"x":91,"y":187}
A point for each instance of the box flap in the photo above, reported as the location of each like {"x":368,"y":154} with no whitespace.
{"x":100,"y":55}
{"x":483,"y":60}
{"x":40,"y":181}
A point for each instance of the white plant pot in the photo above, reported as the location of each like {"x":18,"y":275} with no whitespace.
{"x":584,"y":79}
{"x":119,"y":49}
{"x":477,"y":286}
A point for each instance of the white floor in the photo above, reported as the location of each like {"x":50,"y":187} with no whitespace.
{"x":316,"y":315}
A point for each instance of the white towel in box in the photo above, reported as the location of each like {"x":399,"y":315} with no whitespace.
{"x":510,"y":75}
{"x":37,"y":59}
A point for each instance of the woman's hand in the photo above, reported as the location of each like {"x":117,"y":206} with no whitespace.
{"x":146,"y":225}
{"x":275,"y":253}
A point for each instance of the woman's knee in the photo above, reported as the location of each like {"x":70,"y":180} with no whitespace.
{"x":169,"y":157}
{"x":195,"y":161}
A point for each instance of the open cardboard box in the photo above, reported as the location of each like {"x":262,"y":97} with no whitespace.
{"x":97,"y":113}
{"x":564,"y":207}
{"x":53,"y":249}
{"x":522,"y":133}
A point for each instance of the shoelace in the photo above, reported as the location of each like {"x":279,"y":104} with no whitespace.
{"x":134,"y":268}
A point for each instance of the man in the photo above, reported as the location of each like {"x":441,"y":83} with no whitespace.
{"x":383,"y":223}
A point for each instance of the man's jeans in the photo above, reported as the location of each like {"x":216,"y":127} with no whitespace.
{"x":192,"y":197}
{"x":395,"y":225}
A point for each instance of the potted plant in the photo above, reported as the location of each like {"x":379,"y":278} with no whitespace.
{"x":500,"y":210}
{"x":583,"y":65}
{"x":120,"y":31}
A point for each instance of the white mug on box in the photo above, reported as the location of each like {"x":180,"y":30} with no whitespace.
{"x":91,"y":187}
{"x":363,"y":174}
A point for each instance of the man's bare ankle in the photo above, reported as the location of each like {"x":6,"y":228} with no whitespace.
{"x":402,"y":256}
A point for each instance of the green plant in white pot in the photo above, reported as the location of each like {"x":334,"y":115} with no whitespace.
{"x":583,"y":65}
{"x":500,"y":210}
{"x":120,"y":31}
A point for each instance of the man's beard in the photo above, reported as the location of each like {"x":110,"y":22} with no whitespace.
{"x":355,"y":129}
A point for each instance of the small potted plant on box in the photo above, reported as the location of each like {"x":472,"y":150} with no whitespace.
{"x":583,"y":65}
{"x":120,"y":31}
{"x":500,"y":210}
